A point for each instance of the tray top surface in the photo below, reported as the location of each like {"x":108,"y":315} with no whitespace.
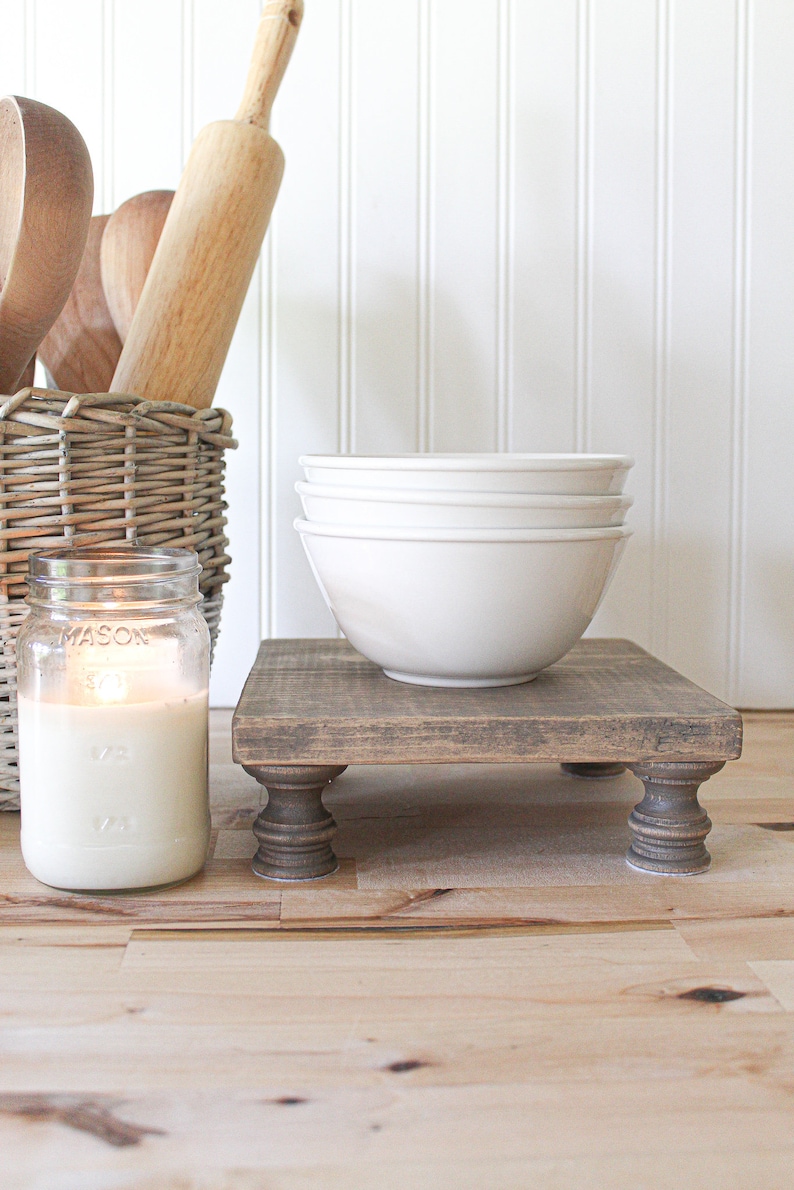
{"x":321,"y":702}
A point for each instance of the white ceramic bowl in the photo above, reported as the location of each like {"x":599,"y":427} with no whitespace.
{"x":337,"y":505}
{"x":462,"y":607}
{"x":533,"y":474}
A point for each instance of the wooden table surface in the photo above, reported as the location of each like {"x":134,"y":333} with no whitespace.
{"x":534,"y":1016}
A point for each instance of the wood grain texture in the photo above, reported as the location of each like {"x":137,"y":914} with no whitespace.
{"x":183,"y":325}
{"x":499,"y":1037}
{"x":294,"y":830}
{"x":669,"y":826}
{"x":212,"y":897}
{"x":82,"y":348}
{"x":129,"y":242}
{"x":26,"y":379}
{"x":321,"y":702}
{"x":47,"y":188}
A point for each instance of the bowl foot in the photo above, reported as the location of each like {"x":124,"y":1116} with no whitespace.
{"x":458,"y":683}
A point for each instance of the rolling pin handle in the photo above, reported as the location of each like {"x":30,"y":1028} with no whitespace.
{"x":275,"y":39}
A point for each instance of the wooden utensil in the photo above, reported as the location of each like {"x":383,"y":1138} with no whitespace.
{"x":46,"y":191}
{"x":26,"y":379}
{"x":177,"y":343}
{"x":82,"y":348}
{"x":128,"y":247}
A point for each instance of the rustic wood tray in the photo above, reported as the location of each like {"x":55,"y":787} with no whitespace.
{"x":310,"y":708}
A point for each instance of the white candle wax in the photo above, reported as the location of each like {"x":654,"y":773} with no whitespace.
{"x":114,"y":796}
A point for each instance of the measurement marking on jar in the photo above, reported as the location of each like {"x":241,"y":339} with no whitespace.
{"x":110,"y":825}
{"x":111,"y":754}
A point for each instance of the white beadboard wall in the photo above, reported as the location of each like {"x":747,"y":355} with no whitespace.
{"x":504,"y":224}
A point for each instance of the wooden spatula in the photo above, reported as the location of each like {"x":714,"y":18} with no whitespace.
{"x":27,"y":377}
{"x":82,"y":348}
{"x":128,"y":246}
{"x":182,"y":328}
{"x":46,"y":191}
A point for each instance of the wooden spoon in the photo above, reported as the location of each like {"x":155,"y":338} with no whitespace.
{"x":128,"y":245}
{"x":82,"y":348}
{"x":46,"y":191}
{"x":26,"y":379}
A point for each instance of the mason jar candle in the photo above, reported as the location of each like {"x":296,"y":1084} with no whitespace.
{"x":113,"y":672}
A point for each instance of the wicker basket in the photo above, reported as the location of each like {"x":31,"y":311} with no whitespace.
{"x":99,"y":468}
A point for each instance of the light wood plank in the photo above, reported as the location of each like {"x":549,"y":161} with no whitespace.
{"x":749,"y":1169}
{"x":564,"y":990}
{"x":258,"y":1130}
{"x":664,"y":899}
{"x":778,"y":975}
{"x":747,"y":940}
{"x":135,"y":1049}
{"x":224,"y":891}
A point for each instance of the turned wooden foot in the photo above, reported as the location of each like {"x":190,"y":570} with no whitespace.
{"x":598,"y":770}
{"x":669,"y":826}
{"x":294,"y":829}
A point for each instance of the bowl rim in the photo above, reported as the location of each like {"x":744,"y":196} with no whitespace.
{"x":470,"y":462}
{"x":453,"y":534}
{"x":453,"y":497}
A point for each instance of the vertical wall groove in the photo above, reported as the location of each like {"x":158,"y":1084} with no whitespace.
{"x":188,"y":89}
{"x":659,"y":616}
{"x":268,"y":429}
{"x":424,"y":223}
{"x":268,"y":417}
{"x":266,"y":281}
{"x":30,"y":47}
{"x":346,"y":295}
{"x":715,"y":110}
{"x":504,"y":229}
{"x":584,"y":224}
{"x":740,"y":332}
{"x":108,"y":106}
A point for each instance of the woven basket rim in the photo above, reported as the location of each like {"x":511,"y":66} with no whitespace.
{"x":82,"y":413}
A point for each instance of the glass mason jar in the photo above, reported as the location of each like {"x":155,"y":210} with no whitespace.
{"x":113,"y":673}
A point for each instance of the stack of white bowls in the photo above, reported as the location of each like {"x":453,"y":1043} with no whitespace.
{"x":464,"y":569}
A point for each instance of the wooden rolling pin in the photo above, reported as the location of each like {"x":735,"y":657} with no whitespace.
{"x":179,"y":336}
